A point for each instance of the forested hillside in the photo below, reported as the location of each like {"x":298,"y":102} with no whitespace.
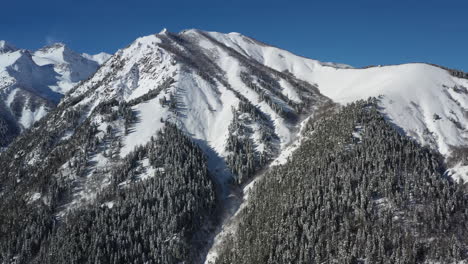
{"x":355,"y":191}
{"x":163,"y":218}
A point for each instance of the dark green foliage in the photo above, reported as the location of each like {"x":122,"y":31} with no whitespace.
{"x":375,"y":196}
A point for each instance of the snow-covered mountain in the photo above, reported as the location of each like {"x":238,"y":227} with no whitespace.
{"x":222,"y":89}
{"x":72,"y":67}
{"x":32,"y":83}
{"x":427,"y":102}
{"x":216,"y":94}
{"x":101,"y":136}
{"x":241,"y":101}
{"x":6,"y":47}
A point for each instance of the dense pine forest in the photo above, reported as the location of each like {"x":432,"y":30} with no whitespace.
{"x":355,"y":191}
{"x":163,"y":219}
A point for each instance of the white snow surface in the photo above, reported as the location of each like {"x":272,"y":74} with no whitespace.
{"x":459,"y":172}
{"x":100,"y":58}
{"x":28,"y":117}
{"x":412,"y":93}
{"x":70,"y":66}
{"x":26,"y":83}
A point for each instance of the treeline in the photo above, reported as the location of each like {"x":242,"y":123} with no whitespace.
{"x":453,"y":72}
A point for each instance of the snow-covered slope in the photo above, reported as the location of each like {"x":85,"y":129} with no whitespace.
{"x":207,"y":78}
{"x":276,"y":58}
{"x":25,"y":95}
{"x":427,"y":102}
{"x":100,"y":58}
{"x":71,"y":66}
{"x":33,"y":83}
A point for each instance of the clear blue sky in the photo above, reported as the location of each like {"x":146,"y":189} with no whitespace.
{"x":354,"y":32}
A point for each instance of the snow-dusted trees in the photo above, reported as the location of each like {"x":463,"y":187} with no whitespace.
{"x":355,"y":191}
{"x":243,"y":158}
{"x":153,"y":93}
{"x":157,"y":220}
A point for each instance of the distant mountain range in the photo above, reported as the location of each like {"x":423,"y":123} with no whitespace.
{"x":32,"y":82}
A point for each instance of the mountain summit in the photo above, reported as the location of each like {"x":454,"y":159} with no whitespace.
{"x":6,"y":47}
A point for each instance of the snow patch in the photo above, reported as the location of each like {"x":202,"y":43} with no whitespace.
{"x":459,"y":172}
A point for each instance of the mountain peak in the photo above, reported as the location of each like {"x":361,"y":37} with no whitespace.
{"x":53,"y":47}
{"x":58,"y":45}
{"x":6,"y":47}
{"x":163,"y":31}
